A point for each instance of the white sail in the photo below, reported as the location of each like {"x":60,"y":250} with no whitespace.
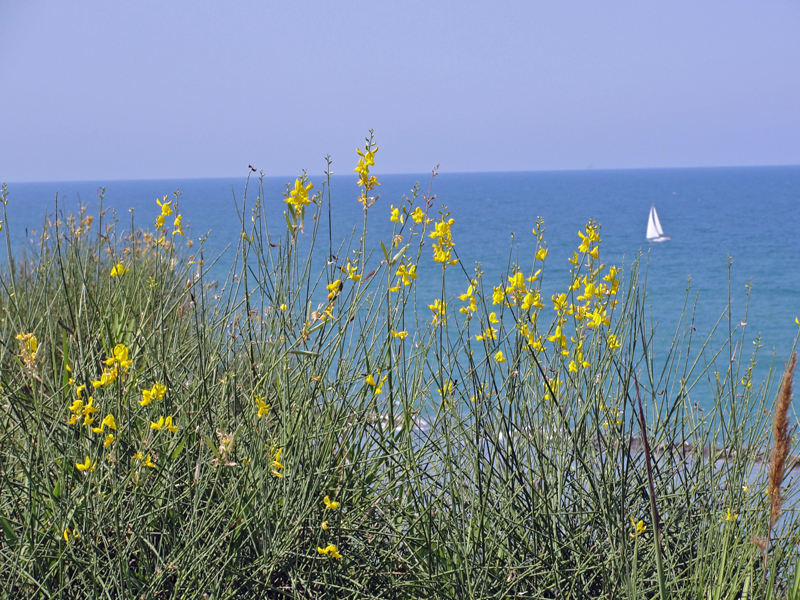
{"x":654,"y":231}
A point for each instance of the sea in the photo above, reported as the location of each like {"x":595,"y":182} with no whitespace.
{"x":735,"y":233}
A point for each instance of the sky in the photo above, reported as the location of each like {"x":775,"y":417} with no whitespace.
{"x":98,"y":90}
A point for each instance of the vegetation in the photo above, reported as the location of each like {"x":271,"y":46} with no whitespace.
{"x":307,"y":429}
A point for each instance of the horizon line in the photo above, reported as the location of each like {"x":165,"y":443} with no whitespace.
{"x":426,"y":173}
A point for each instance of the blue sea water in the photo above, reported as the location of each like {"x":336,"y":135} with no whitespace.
{"x":751,"y":215}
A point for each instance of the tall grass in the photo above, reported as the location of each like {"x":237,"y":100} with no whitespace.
{"x":338,"y":436}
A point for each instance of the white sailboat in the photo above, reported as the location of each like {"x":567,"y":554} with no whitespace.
{"x":654,"y":231}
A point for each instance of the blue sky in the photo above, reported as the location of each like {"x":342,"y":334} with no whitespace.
{"x":160,"y":89}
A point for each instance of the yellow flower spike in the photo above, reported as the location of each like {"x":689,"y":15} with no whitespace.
{"x":400,"y":334}
{"x":76,"y":406}
{"x":148,"y":462}
{"x":541,"y":254}
{"x":489,"y":334}
{"x":109,"y":422}
{"x":85,"y":466}
{"x":170,"y":426}
{"x":158,"y":424}
{"x":573,"y":368}
{"x":159,"y":221}
{"x":493,"y":318}
{"x":330,"y":550}
{"x":595,"y":252}
{"x":499,"y":356}
{"x":109,"y":440}
{"x":118,"y":269}
{"x":138,"y":456}
{"x":329,"y":504}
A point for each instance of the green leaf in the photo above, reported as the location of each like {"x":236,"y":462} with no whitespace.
{"x":8,"y":531}
{"x":179,"y":449}
{"x":213,"y":447}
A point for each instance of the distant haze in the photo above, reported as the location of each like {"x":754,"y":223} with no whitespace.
{"x":95,"y":90}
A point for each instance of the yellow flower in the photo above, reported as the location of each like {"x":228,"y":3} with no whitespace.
{"x":158,"y":424}
{"x":298,"y":197}
{"x":90,"y":408}
{"x":612,"y":341}
{"x":158,"y":391}
{"x":166,"y":207}
{"x":72,"y":420}
{"x":351,"y":272}
{"x":79,"y":390}
{"x":147,"y":397}
{"x":498,"y":296}
{"x":438,"y":308}
{"x":330,"y":550}
{"x":371,"y":380}
{"x":170,"y":425}
{"x":639,"y":527}
{"x":541,"y":254}
{"x":76,"y":406}
{"x":418,"y":215}
{"x":263,"y":407}
{"x":148,"y":462}
{"x":109,"y":422}
{"x":558,"y":337}
{"x":86,"y":466}
{"x":489,"y":334}
{"x":468,"y":294}
{"x":283,"y":307}
{"x":334,"y":289}
{"x":573,"y":368}
{"x":493,"y":318}
{"x":159,"y":221}
{"x":499,"y":356}
{"x":118,"y":269}
{"x":731,"y":517}
{"x":395,"y":215}
{"x":109,"y":440}
{"x":30,"y":346}
{"x":179,"y":228}
{"x":406,"y":274}
{"x":119,"y":357}
{"x":443,"y":246}
{"x":74,"y":534}
{"x":324,"y":524}
{"x":329,"y":504}
{"x":399,"y":334}
{"x":276,"y":464}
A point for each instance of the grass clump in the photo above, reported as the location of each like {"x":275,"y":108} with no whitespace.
{"x":311,"y":428}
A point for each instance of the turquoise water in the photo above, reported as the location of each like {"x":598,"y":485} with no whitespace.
{"x":749,"y":214}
